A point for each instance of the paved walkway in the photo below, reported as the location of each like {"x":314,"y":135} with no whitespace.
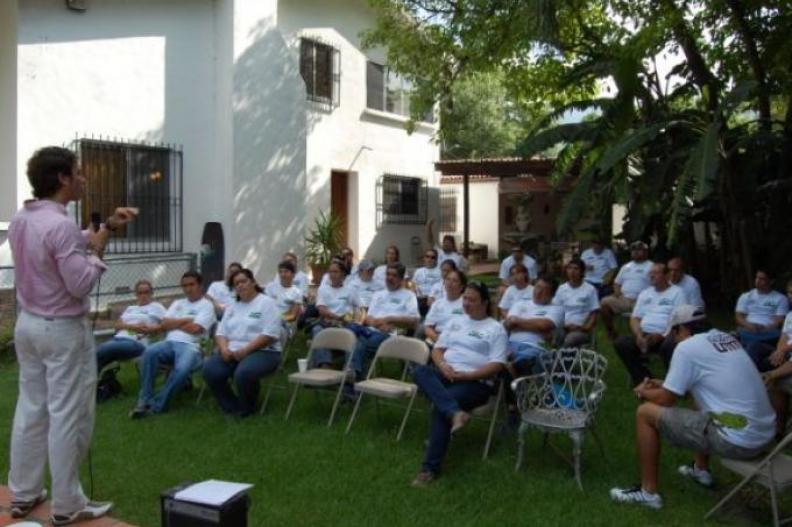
{"x":40,"y":515}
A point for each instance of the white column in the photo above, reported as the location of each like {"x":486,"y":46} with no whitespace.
{"x":8,"y":111}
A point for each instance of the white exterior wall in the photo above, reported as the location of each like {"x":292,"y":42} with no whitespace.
{"x":141,"y":71}
{"x":484,"y":203}
{"x":8,"y":111}
{"x":351,"y":138}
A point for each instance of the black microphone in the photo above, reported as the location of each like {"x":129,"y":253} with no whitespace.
{"x":96,"y":220}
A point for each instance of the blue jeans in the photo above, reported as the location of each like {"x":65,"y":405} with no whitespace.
{"x":365,"y":349}
{"x":117,"y":349}
{"x":759,"y":353}
{"x":748,"y":337}
{"x":323,"y":356}
{"x":185,"y":358}
{"x":246,"y":375}
{"x":447,"y":398}
{"x":524,"y":356}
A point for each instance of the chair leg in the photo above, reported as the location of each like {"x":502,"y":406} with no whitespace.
{"x":774,"y":502}
{"x":291,"y":402}
{"x":267,"y":397}
{"x":354,"y":413}
{"x":335,"y":404}
{"x":520,"y":445}
{"x":493,"y":422}
{"x":406,"y":416}
{"x":577,"y":442}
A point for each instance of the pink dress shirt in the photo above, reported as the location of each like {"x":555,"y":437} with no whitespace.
{"x":54,"y":274}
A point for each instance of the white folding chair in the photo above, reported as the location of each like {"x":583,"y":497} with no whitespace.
{"x":490,"y":412}
{"x":287,"y":333}
{"x":407,"y":349}
{"x":329,"y":338}
{"x":773,"y":471}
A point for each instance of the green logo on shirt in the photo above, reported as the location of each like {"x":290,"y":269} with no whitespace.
{"x":255,"y":314}
{"x":476,"y":334}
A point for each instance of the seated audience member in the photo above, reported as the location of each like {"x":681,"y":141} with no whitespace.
{"x":248,"y":347}
{"x":469,"y":355}
{"x":733,"y":417}
{"x":438,"y":290}
{"x":391,"y":310}
{"x":221,"y":292}
{"x":391,"y":256}
{"x":425,"y":279}
{"x":649,"y":324}
{"x":447,"y":250}
{"x":349,"y":260}
{"x":363,"y":283}
{"x":301,"y":280}
{"x":632,"y":278}
{"x":764,"y":354}
{"x":347,"y":274}
{"x":760,"y":312}
{"x":337,"y":304}
{"x":134,"y":326}
{"x":599,"y":261}
{"x":518,"y":256}
{"x":581,"y":305}
{"x":679,"y":278}
{"x":186,"y":321}
{"x":443,"y":310}
{"x":779,"y":376}
{"x":286,"y":295}
{"x":531,"y":324}
{"x":521,"y":289}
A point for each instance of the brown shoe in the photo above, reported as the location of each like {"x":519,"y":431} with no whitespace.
{"x":423,"y":479}
{"x":459,"y":420}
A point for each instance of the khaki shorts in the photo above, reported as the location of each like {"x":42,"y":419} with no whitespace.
{"x":619,"y":304}
{"x":695,"y":430}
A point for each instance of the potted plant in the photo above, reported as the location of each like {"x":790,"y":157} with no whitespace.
{"x":322,"y":242}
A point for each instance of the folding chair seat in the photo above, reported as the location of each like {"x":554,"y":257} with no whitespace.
{"x":407,"y":349}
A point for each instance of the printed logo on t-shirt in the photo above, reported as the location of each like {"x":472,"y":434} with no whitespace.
{"x":255,"y":314}
{"x":723,"y":342}
{"x":394,"y":301}
{"x":476,"y":334}
{"x":665,"y":302}
{"x":457,"y":311}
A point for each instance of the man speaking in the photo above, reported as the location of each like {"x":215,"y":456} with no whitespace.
{"x":56,"y":266}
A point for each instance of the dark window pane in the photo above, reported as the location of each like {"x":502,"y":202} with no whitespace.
{"x":307,"y":64}
{"x":375,"y":79}
{"x":324,"y":72}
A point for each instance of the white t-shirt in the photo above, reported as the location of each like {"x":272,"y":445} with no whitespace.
{"x":720,"y":375}
{"x":471,"y":344}
{"x":442,"y":311}
{"x":598,"y":265}
{"x":326,"y":279}
{"x":380,"y":273}
{"x":221,"y":293}
{"x":364,"y":290}
{"x":578,"y":302}
{"x":655,"y":308}
{"x":633,"y":277}
{"x":399,"y":303}
{"x":512,"y":295}
{"x":505,"y":268}
{"x":438,"y":291}
{"x":202,"y":313}
{"x":760,"y":308}
{"x":425,"y":279}
{"x":284,"y":297}
{"x":458,"y":259}
{"x":151,"y":314}
{"x":786,"y":329}
{"x":300,"y":281}
{"x":692,"y":290}
{"x":339,"y":300}
{"x":526,"y":310}
{"x":243,"y":322}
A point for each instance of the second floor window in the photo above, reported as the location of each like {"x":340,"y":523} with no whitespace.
{"x":401,"y":200}
{"x":388,"y":92}
{"x":320,"y":68}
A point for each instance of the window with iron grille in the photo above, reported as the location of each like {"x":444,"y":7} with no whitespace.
{"x":401,"y":200}
{"x":388,"y":92}
{"x":320,"y":67}
{"x":142,"y":176}
{"x":448,"y":210}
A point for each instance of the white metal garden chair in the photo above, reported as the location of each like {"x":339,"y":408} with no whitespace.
{"x":562,"y":399}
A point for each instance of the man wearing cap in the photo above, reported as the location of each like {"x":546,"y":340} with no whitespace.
{"x":733,"y":418}
{"x":599,"y":261}
{"x":649,"y":324}
{"x":632,"y":278}
{"x":364,"y":284}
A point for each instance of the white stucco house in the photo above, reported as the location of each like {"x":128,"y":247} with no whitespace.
{"x":255,"y":114}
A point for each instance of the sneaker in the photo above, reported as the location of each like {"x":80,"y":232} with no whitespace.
{"x":458,"y":421}
{"x":701,"y":476}
{"x":140,"y":411}
{"x":423,"y":479}
{"x":92,"y":509}
{"x":20,"y":509}
{"x":637,"y":495}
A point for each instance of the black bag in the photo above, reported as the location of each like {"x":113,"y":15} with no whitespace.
{"x":108,"y":386}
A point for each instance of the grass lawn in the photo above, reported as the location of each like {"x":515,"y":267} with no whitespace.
{"x":307,"y":474}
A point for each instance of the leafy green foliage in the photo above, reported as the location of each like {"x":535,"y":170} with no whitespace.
{"x":324,"y":239}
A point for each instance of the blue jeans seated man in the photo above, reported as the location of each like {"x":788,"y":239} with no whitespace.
{"x":447,"y":399}
{"x":245,"y":374}
{"x":749,"y":338}
{"x":117,"y":349}
{"x":365,"y":349}
{"x":184,"y":359}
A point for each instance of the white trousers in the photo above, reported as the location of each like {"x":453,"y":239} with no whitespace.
{"x":55,"y":410}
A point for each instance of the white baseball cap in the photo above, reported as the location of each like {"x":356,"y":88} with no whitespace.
{"x":686,"y":313}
